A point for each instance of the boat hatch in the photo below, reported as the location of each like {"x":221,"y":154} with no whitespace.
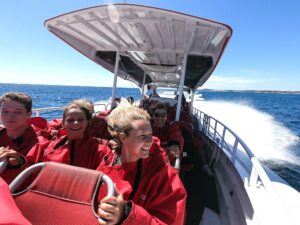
{"x":150,"y":41}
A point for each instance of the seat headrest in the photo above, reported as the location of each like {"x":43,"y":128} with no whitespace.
{"x":67,"y":182}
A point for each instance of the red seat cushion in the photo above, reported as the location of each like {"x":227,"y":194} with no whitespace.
{"x":42,"y":209}
{"x":9,"y":212}
{"x":61,"y":194}
{"x":39,"y":122}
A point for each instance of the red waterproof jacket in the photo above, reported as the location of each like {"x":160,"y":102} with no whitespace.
{"x":98,"y":127}
{"x":160,"y":197}
{"x":184,"y":115}
{"x":167,"y":134}
{"x":9,"y":212}
{"x":87,"y":153}
{"x":22,"y":145}
{"x":55,"y":124}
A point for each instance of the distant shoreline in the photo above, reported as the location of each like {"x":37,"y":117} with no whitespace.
{"x":199,"y":90}
{"x":253,"y":91}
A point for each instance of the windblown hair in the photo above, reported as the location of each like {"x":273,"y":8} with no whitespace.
{"x":121,"y":118}
{"x":20,"y":97}
{"x":89,"y":105}
{"x":78,"y":104}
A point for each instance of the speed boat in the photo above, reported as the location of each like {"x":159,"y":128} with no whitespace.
{"x":174,"y":51}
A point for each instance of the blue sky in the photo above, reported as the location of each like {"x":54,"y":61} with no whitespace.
{"x":263,"y":53}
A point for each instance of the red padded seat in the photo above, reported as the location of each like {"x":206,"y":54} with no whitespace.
{"x":61,"y":194}
{"x":9,"y":212}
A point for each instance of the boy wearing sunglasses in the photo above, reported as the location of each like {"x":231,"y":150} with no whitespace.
{"x":170,"y":135}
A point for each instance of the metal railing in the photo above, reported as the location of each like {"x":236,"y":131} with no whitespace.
{"x":230,"y":143}
{"x":257,"y":177}
{"x":37,"y":112}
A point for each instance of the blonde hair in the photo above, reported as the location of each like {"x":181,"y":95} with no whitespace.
{"x":121,"y":118}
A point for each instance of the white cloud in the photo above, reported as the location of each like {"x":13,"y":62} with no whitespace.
{"x":248,"y":71}
{"x":237,"y":82}
{"x":273,"y":79}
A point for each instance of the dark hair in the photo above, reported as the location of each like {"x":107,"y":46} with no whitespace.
{"x":160,"y":106}
{"x":77,"y":105}
{"x":89,"y":105}
{"x":130,"y":99}
{"x":20,"y":97}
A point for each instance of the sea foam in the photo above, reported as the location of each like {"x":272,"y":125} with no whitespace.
{"x":267,"y":138}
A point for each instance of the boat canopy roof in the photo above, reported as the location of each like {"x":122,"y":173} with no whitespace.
{"x":151,"y":42}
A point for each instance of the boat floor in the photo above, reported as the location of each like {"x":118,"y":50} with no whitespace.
{"x":202,"y":193}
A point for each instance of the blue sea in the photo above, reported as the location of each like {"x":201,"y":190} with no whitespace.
{"x":269,"y":123}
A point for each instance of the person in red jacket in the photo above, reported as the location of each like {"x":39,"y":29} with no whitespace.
{"x":149,"y":191}
{"x":76,"y":147}
{"x":18,"y":135}
{"x":169,"y":134}
{"x":97,"y":125}
{"x":184,"y":112}
{"x":56,"y":125}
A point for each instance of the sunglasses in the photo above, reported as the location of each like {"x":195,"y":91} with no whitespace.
{"x":160,"y":114}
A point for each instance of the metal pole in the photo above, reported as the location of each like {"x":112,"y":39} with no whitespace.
{"x":143,"y":87}
{"x":182,"y":77}
{"x":113,"y":94}
{"x":192,"y":101}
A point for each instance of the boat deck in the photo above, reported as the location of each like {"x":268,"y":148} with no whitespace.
{"x":202,"y":193}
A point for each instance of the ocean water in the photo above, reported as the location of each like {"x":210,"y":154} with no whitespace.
{"x":269,"y":123}
{"x":56,"y":95}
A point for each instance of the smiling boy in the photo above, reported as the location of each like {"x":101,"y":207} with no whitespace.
{"x":17,"y":136}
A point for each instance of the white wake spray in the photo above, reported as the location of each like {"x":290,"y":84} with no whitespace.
{"x":267,"y":138}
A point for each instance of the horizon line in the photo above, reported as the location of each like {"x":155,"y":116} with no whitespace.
{"x":200,"y":89}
